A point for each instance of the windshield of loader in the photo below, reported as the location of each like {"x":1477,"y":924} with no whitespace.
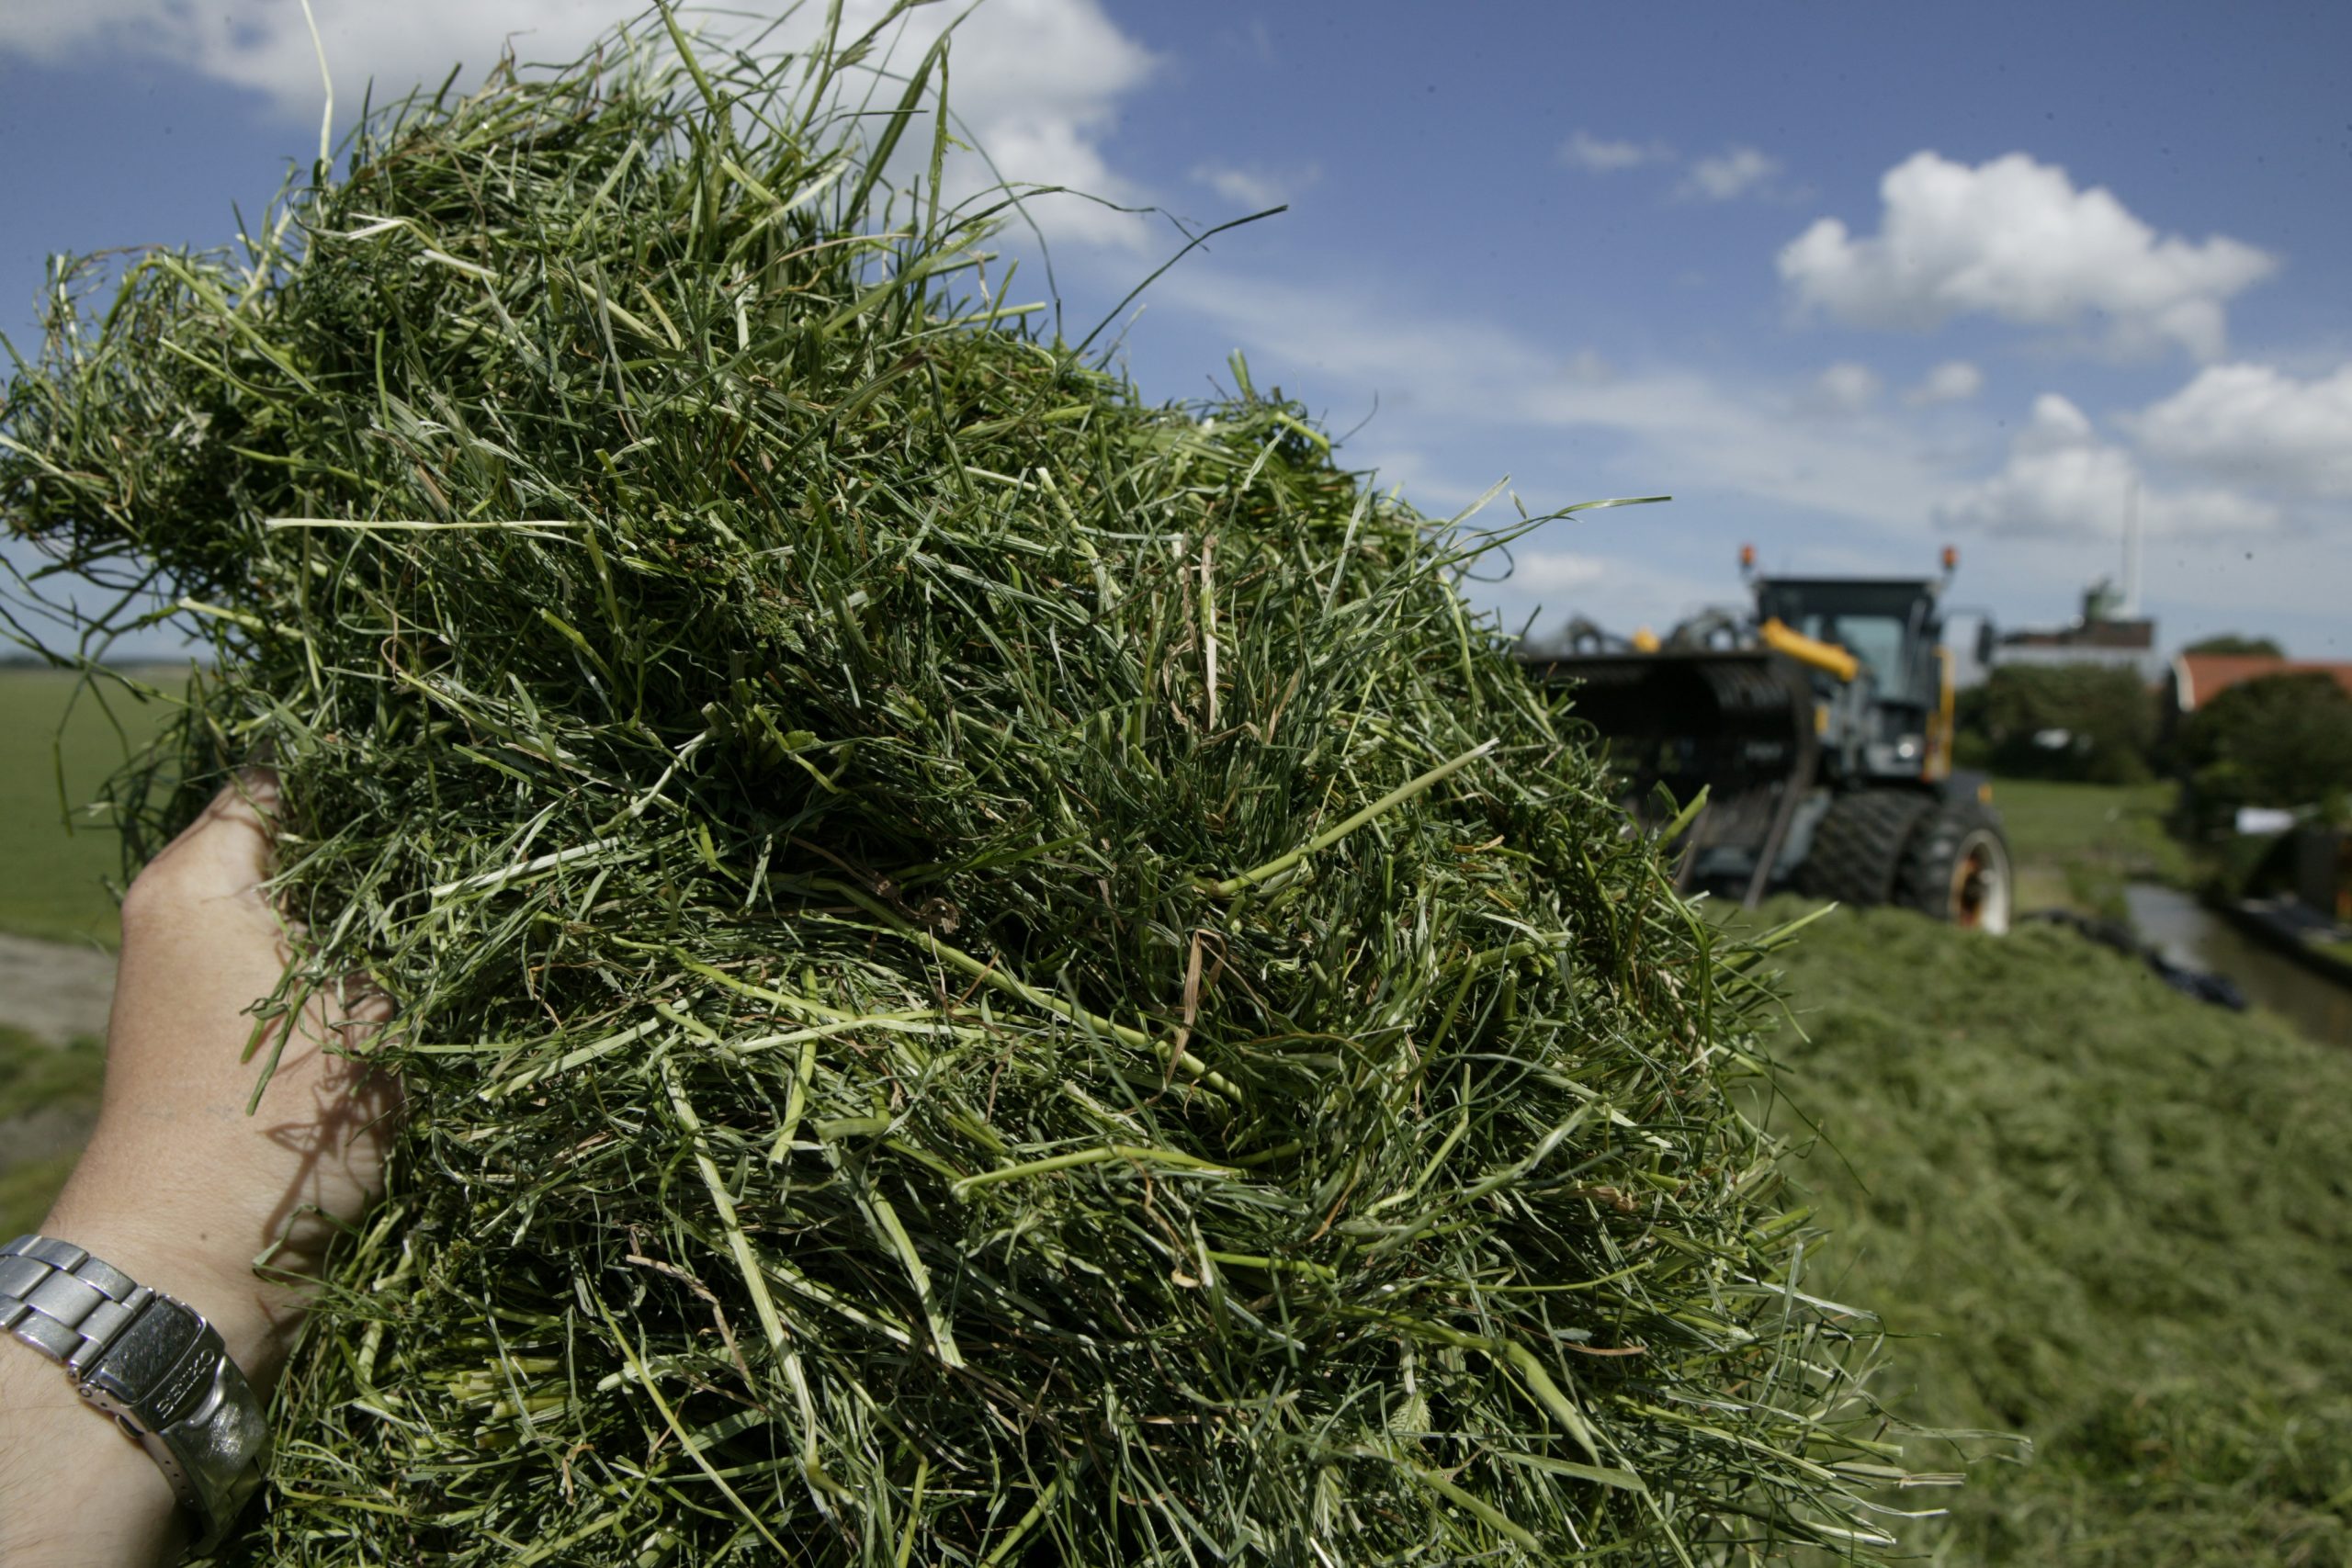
{"x":1882,"y":624}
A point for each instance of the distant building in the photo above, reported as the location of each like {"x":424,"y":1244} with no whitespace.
{"x":2101,"y":636}
{"x":2197,"y":678}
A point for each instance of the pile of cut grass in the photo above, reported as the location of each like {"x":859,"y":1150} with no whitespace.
{"x":987,"y":972}
{"x":2096,"y":1212}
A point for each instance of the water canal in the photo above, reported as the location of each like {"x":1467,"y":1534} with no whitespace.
{"x":2188,"y":932}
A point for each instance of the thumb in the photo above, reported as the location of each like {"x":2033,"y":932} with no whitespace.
{"x":225,"y":852}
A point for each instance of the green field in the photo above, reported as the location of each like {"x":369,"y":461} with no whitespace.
{"x":2076,"y":845}
{"x":59,"y":863}
{"x":37,"y":1078}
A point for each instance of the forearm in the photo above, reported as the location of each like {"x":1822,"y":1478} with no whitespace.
{"x":182,"y":1189}
{"x":188,"y":1240}
{"x":75,"y":1489}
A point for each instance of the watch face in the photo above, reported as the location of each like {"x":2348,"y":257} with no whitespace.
{"x":153,"y":1374}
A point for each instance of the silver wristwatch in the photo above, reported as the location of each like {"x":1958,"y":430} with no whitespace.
{"x":149,"y":1361}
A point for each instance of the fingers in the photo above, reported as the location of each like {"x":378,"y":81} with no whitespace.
{"x":225,"y":851}
{"x":204,"y":945}
{"x":204,"y":937}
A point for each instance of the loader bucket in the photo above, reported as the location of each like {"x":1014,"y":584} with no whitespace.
{"x":1737,"y":723}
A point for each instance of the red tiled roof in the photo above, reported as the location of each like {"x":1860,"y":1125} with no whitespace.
{"x":2200,"y":677}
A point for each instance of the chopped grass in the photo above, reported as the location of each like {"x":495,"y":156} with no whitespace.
{"x":987,"y":972}
{"x":2099,"y":1213}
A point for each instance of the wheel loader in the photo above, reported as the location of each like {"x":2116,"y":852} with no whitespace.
{"x":1819,"y":727}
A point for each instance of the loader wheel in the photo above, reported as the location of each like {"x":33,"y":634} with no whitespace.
{"x":1957,"y":868}
{"x":1858,"y":850}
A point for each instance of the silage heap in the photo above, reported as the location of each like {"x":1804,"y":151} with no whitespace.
{"x":987,"y":972}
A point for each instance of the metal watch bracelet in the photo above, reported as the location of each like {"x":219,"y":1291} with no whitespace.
{"x":148,"y":1361}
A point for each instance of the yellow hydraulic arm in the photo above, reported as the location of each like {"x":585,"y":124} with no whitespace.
{"x":1828,"y":657}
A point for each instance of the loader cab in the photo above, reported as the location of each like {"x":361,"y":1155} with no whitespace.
{"x":1888,"y":724}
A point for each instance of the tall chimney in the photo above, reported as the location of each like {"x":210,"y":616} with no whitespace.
{"x":2132,"y":550}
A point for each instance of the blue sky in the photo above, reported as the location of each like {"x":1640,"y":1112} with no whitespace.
{"x":1849,"y":281}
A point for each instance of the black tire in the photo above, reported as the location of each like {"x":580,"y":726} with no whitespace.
{"x":1858,"y":850}
{"x":1957,"y":868}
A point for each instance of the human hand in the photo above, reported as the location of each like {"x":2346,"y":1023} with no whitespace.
{"x":180,"y":1187}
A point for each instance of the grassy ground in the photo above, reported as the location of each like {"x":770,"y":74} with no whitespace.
{"x":56,"y":883}
{"x":2105,"y":1216}
{"x":48,"y":1096}
{"x":2076,"y":845}
{"x":56,"y":887}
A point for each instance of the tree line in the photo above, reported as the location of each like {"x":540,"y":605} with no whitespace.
{"x":2277,"y":740}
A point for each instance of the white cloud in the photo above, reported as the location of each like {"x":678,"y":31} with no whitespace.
{"x":1729,"y":174}
{"x":1857,"y":493}
{"x":1620,"y":590}
{"x":1253,"y":188}
{"x":2207,"y":514}
{"x":2015,"y":239}
{"x":1554,"y":572}
{"x":1037,"y":82}
{"x":1953,"y":381}
{"x":1669,"y":428}
{"x":2063,"y":481}
{"x":1600,"y":156}
{"x":266,"y":47}
{"x":2056,"y":425}
{"x":1735,"y":172}
{"x":1256,"y":40}
{"x":1591,"y":367}
{"x":2257,"y":425}
{"x":1688,"y":430}
{"x":1845,"y":388}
